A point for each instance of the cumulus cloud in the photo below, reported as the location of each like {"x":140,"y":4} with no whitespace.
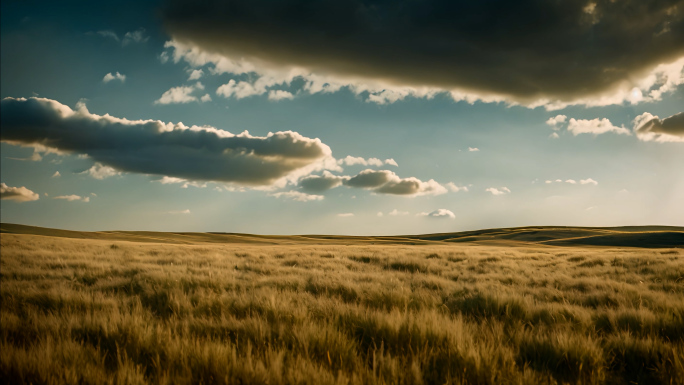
{"x":556,"y":121}
{"x":498,"y":191}
{"x":316,"y":183}
{"x":73,"y":197}
{"x":439,"y":213}
{"x":357,"y":160}
{"x":100,"y":171}
{"x":345,"y":215}
{"x":297,"y":196}
{"x":378,"y":181}
{"x":649,"y":127}
{"x":622,"y":51}
{"x":588,"y":181}
{"x":594,"y":126}
{"x":19,"y":194}
{"x":56,"y":174}
{"x":182,"y":94}
{"x":473,"y":149}
{"x":165,"y":149}
{"x":387,"y":182}
{"x":280,"y":95}
{"x":109,"y":77}
{"x":396,"y":212}
{"x":585,"y":126}
{"x":195,"y":74}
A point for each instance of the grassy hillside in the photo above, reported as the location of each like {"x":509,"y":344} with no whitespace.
{"x":158,"y":308}
{"x":635,"y":236}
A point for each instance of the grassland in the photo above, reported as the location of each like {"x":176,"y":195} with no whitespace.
{"x":127,"y":308}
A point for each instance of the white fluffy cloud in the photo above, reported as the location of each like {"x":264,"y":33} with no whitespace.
{"x":195,"y":74}
{"x":584,"y":126}
{"x":280,"y":95}
{"x":109,"y":77}
{"x":439,"y":213}
{"x":56,"y":174}
{"x":99,"y":171}
{"x":588,"y":181}
{"x":19,"y":194}
{"x":498,"y":191}
{"x":594,"y":126}
{"x":556,"y":121}
{"x":396,"y":212}
{"x":473,"y":149}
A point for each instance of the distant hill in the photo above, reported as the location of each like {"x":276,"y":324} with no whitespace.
{"x":628,"y":236}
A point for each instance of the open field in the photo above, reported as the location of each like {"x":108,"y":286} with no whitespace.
{"x":505,"y":306}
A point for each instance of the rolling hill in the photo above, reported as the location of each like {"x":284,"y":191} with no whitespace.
{"x":628,"y":236}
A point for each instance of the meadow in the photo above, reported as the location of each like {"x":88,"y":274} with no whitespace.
{"x":102,"y":311}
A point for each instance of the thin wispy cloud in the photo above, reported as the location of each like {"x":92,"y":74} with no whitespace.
{"x":297,"y":196}
{"x":498,"y":190}
{"x":72,"y":198}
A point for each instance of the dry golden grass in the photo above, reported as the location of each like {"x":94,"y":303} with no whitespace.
{"x":91,"y":311}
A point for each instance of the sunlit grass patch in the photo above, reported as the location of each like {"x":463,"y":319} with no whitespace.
{"x":83,"y":311}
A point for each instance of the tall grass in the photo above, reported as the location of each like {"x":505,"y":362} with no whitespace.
{"x":97,"y":312}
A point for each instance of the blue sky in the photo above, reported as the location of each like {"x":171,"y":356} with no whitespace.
{"x":441,"y":147}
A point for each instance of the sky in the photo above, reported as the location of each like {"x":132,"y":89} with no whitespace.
{"x":362,"y":117}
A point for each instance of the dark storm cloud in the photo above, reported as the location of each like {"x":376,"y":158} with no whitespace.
{"x":649,"y":127}
{"x":524,"y":50}
{"x":155,"y":147}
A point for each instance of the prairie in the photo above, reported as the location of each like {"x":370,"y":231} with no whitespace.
{"x":515,"y":306}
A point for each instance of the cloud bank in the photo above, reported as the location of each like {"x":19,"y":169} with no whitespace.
{"x":159,"y":148}
{"x":530,"y":52}
{"x":649,"y":127}
{"x":19,"y":194}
